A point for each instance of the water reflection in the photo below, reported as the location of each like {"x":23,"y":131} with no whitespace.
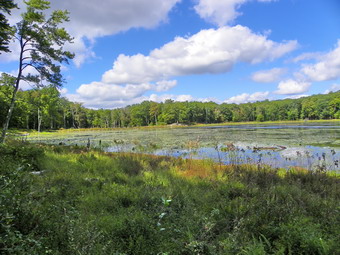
{"x":309,"y":157}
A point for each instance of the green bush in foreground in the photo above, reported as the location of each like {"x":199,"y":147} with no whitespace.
{"x":89,"y":202}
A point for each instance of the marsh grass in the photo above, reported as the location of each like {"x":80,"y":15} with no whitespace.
{"x":92,"y":202}
{"x":181,"y":142}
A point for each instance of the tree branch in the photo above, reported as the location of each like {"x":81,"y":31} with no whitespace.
{"x":27,"y":41}
{"x":28,"y":49}
{"x":16,"y":37}
{"x":25,"y":58}
{"x":28,"y":64}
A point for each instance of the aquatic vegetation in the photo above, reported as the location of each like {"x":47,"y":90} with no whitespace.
{"x":95,"y":202}
{"x":299,"y":145}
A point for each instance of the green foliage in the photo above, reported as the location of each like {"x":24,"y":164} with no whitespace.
{"x":24,"y":155}
{"x":6,"y":32}
{"x":39,"y":36}
{"x":56,"y":112}
{"x":16,"y":222}
{"x":41,"y":42}
{"x":88,"y":202}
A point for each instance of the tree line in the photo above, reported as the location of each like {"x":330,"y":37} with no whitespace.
{"x":44,"y":108}
{"x":41,"y":40}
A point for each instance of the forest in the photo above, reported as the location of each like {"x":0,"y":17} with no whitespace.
{"x":45,"y":108}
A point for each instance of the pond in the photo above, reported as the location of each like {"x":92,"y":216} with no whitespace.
{"x":308,"y":145}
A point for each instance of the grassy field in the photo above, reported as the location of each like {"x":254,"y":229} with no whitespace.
{"x":70,"y":200}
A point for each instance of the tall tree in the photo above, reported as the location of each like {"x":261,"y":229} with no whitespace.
{"x":6,"y":31}
{"x":41,"y":42}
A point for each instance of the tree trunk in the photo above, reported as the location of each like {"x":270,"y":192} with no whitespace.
{"x":73,"y":122}
{"x":8,"y":117}
{"x":64,"y":119}
{"x":39,"y":120}
{"x":27,"y":122}
{"x":16,"y":88}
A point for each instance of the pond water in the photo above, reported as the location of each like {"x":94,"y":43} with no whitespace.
{"x":311,"y":145}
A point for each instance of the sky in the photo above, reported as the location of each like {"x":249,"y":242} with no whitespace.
{"x":226,"y":51}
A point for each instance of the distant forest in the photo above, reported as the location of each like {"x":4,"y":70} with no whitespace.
{"x":46,"y":109}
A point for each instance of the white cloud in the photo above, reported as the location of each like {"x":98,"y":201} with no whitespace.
{"x":162,"y":98}
{"x":208,"y":51}
{"x":116,"y":102}
{"x":63,"y":91}
{"x":221,"y":12}
{"x":292,"y":87}
{"x":94,"y":19}
{"x":90,"y":20}
{"x":307,"y":56}
{"x":111,"y":91}
{"x":296,"y":96}
{"x":11,"y":56}
{"x":24,"y":85}
{"x":180,"y":98}
{"x":165,"y":85}
{"x":100,"y":94}
{"x":247,"y":98}
{"x":333,"y":88}
{"x":328,"y":67}
{"x":267,"y":76}
{"x":82,"y":51}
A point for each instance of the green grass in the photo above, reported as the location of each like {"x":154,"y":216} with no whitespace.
{"x":90,"y":202}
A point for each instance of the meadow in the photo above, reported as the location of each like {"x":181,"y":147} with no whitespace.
{"x":59,"y":199}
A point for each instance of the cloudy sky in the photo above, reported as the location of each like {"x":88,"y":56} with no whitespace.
{"x":233,"y":51}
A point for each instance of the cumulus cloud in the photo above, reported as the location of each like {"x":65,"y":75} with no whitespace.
{"x":296,"y":96}
{"x":221,"y":12}
{"x":90,"y":20}
{"x":328,"y":67}
{"x":63,"y":91}
{"x":248,"y":98}
{"x":100,"y":94}
{"x":307,"y":56}
{"x":162,"y":98}
{"x":267,"y":76}
{"x":115,"y":101}
{"x":180,"y":98}
{"x":333,"y":88}
{"x":292,"y":87}
{"x":93,"y":19}
{"x":24,"y":85}
{"x":111,"y":91}
{"x":208,"y":51}
{"x":165,"y":85}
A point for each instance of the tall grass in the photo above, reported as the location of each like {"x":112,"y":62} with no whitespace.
{"x":83,"y":201}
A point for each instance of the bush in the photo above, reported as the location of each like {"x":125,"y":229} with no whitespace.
{"x":90,"y":202}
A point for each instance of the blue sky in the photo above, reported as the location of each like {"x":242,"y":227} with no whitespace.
{"x":232,"y":51}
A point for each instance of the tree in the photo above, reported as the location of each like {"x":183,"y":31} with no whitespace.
{"x":154,"y":112}
{"x":6,"y":32}
{"x":41,"y":43}
{"x":6,"y":91}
